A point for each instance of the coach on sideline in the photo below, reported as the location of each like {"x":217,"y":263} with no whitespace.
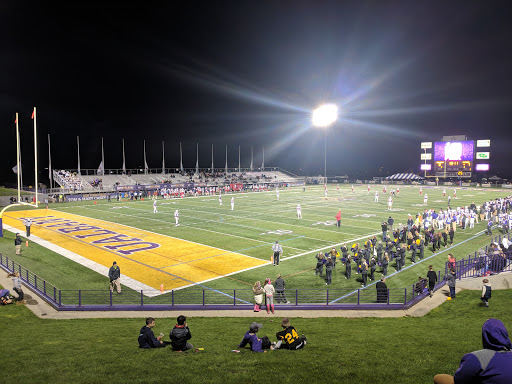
{"x":278,"y":251}
{"x":114,"y":274}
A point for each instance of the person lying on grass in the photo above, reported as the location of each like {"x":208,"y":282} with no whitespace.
{"x":257,"y":345}
{"x":4,"y":297}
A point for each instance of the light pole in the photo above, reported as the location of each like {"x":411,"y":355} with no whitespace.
{"x":322,"y":117}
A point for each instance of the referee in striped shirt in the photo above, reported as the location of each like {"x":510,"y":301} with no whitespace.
{"x":277,"y":252}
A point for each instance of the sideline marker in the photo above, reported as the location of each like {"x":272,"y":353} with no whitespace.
{"x":161,"y":288}
{"x":26,"y":243}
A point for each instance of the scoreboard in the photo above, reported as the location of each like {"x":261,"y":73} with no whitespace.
{"x":455,"y":158}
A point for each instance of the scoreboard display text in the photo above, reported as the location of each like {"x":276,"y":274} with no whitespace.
{"x":454,"y":156}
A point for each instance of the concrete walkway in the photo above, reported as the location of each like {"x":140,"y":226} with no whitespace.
{"x":42,"y":310}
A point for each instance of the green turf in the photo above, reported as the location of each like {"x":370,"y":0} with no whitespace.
{"x":11,"y":192}
{"x":372,"y":350}
{"x":245,"y":230}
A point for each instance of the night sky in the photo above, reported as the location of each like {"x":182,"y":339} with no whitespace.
{"x":249,"y":73}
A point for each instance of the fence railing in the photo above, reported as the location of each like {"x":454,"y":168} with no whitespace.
{"x":201,"y":299}
{"x":476,"y":265}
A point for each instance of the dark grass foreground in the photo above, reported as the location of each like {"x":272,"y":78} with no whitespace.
{"x":375,"y":350}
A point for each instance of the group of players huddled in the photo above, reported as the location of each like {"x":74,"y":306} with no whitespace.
{"x":435,"y":228}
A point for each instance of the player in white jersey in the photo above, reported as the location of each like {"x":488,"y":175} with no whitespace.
{"x":390,"y":203}
{"x":454,"y":192}
{"x":472,"y":220}
{"x":338,"y":188}
{"x":425,"y":199}
{"x":444,"y":192}
{"x":397,"y":190}
{"x":220,"y":199}
{"x":299,"y":212}
{"x":384,"y":189}
{"x":325,"y":193}
{"x":352,"y":188}
{"x":421,"y":191}
{"x":233,"y":203}
{"x":177,"y":217}
{"x":368,"y":188}
{"x":277,"y":193}
{"x":154,"y":207}
{"x":376,"y":196}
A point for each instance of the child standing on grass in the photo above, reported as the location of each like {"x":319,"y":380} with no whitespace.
{"x":269,"y":295}
{"x":486,"y":292}
{"x":258,"y":291}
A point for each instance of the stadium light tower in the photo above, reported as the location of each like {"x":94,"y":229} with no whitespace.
{"x":323,"y":117}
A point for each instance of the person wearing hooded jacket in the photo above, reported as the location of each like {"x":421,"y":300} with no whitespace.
{"x":493,"y":364}
{"x":180,"y":334}
{"x":147,"y":338}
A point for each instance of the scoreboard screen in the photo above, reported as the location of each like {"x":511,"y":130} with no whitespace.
{"x":456,"y":156}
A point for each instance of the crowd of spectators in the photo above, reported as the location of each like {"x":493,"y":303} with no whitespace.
{"x":71,"y":180}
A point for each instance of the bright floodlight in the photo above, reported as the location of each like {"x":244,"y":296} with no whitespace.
{"x":325,"y":115}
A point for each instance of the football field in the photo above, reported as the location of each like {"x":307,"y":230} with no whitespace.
{"x":222,"y":248}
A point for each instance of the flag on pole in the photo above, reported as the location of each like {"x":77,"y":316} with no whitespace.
{"x":16,"y":121}
{"x":145,"y":163}
{"x":15,"y":169}
{"x":33,"y":112}
{"x":251,"y":161}
{"x":100,"y":169}
{"x":124,"y":162}
{"x":263,"y":161}
{"x":197,"y":158}
{"x":102,"y":158}
{"x":181,"y":159}
{"x":212,"y":157}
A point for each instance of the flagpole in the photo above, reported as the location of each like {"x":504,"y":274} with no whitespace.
{"x":163,"y":157}
{"x":226,"y":159}
{"x":181,"y":159}
{"x":212,"y":158}
{"x":50,"y":173}
{"x":78,"y":146}
{"x":35,"y":155}
{"x":263,"y":161}
{"x":18,"y":156}
{"x":124,"y":160}
{"x":197,"y":158}
{"x":145,"y":163}
{"x":251,"y":159}
{"x":239,"y":169}
{"x":102,"y":158}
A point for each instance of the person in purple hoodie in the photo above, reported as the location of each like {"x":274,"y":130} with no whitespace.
{"x":493,"y":364}
{"x":257,"y":345}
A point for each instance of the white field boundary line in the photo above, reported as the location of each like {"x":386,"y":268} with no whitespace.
{"x":96,"y":267}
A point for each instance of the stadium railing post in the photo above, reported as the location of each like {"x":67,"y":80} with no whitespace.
{"x":79,"y":297}
{"x":296,"y":297}
{"x":35,"y":282}
{"x":44,"y":287}
{"x":405,"y":297}
{"x":203,"y":297}
{"x":388,"y":296}
{"x":54,"y":293}
{"x":110,"y":298}
{"x":327,"y":296}
{"x":141,"y":298}
{"x":172,"y":297}
{"x":358,"y":296}
{"x":234,"y":297}
{"x":60,"y":297}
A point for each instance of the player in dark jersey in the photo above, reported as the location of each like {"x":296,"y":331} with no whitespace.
{"x":288,"y":338}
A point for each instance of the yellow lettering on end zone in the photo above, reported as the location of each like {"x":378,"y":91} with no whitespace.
{"x":147,"y":257}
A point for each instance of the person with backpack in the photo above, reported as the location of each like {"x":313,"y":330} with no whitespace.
{"x":486,"y":292}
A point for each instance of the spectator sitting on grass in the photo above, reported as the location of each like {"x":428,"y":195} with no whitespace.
{"x":147,"y":338}
{"x":4,"y":297}
{"x":288,"y":338}
{"x":257,"y":345}
{"x":180,"y":334}
{"x":493,"y":364}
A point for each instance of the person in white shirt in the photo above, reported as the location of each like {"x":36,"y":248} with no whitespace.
{"x":425,"y":199}
{"x":220,"y":199}
{"x":154,"y":207}
{"x":177,"y":217}
{"x":325,"y":193}
{"x":232,"y":203}
{"x":299,"y":212}
{"x":277,"y":193}
{"x":376,"y":196}
{"x":390,"y":203}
